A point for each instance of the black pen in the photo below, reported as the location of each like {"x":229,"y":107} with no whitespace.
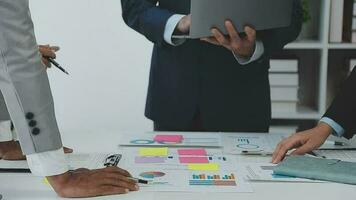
{"x":10,"y":170}
{"x":137,"y":180}
{"x":339,"y":143}
{"x":51,"y":60}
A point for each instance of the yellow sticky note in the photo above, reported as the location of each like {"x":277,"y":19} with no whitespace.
{"x":154,"y":151}
{"x":204,"y":167}
{"x":45,"y":181}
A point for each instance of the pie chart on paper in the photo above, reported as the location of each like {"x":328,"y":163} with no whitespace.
{"x":152,"y":174}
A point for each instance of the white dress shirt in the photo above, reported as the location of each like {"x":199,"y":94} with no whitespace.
{"x":48,"y":163}
{"x":5,"y":131}
{"x":172,"y":23}
{"x":41,"y":164}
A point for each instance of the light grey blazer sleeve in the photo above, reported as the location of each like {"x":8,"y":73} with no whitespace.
{"x":24,"y":82}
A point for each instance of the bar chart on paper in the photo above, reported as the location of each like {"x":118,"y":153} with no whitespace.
{"x":173,"y":180}
{"x":213,"y":179}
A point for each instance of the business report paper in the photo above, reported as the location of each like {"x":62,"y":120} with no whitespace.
{"x":161,"y":179}
{"x":212,"y":140}
{"x":252,"y":143}
{"x":264,"y":172}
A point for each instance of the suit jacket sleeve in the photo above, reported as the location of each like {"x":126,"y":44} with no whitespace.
{"x":343,"y":108}
{"x":147,"y":18}
{"x":24,"y":82}
{"x":274,"y":40}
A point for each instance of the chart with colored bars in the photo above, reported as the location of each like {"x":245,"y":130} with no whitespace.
{"x":213,"y":179}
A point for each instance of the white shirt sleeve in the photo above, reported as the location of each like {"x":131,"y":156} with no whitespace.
{"x":259,"y":51}
{"x":14,"y":135}
{"x":171,"y":25}
{"x":48,"y":163}
{"x":5,"y":131}
{"x":337,"y":129}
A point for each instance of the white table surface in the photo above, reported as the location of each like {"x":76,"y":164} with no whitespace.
{"x":29,"y":187}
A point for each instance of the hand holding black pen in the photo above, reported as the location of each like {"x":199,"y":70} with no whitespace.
{"x":51,"y":60}
{"x":48,"y":54}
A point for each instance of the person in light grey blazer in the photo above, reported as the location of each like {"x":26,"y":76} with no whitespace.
{"x":27,"y":94}
{"x":9,"y":146}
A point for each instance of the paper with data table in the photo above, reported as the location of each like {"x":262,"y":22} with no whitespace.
{"x":161,"y":179}
{"x":176,"y":158}
{"x":172,"y":139}
{"x":344,"y":155}
{"x":264,"y":172}
{"x":251,"y":143}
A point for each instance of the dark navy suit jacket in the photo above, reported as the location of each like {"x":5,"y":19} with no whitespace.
{"x":198,"y":76}
{"x":343,"y":108}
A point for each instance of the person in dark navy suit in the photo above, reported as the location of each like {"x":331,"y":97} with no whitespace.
{"x":213,"y":84}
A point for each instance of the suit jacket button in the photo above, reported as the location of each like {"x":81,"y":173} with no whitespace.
{"x":30,"y":115}
{"x":36,"y":131}
{"x":32,"y":123}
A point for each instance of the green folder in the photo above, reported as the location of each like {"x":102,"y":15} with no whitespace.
{"x":318,"y":169}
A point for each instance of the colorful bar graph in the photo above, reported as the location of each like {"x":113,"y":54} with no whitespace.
{"x":215,"y":180}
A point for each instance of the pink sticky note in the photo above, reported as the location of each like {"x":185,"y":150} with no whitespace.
{"x":168,"y":138}
{"x":185,"y":160}
{"x":192,"y":152}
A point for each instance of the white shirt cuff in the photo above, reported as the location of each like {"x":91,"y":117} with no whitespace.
{"x":259,"y":51}
{"x":169,"y":30}
{"x":338,"y":130}
{"x":5,"y":131}
{"x":14,"y":135}
{"x":48,"y":163}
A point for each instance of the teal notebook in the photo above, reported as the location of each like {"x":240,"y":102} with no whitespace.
{"x":318,"y":169}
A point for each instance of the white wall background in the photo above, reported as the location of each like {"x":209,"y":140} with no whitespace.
{"x":108,"y":64}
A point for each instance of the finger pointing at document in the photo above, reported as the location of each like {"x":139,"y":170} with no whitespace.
{"x":303,"y":142}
